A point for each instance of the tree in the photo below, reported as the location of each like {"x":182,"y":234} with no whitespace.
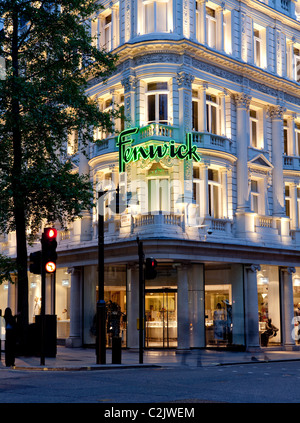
{"x":7,"y":268}
{"x":50,"y":59}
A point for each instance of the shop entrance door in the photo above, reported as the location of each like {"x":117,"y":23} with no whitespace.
{"x":161,"y":318}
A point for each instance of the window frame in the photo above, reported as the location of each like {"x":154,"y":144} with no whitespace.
{"x":296,"y":61}
{"x":287,"y":200}
{"x":160,"y":196}
{"x":297,"y":139}
{"x":209,"y":120}
{"x":211,"y":27}
{"x":153,"y":20}
{"x":214,"y":194}
{"x":157,"y":93}
{"x":255,"y":196}
{"x":257,"y":41}
{"x":254,"y":120}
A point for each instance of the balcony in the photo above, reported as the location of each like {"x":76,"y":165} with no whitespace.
{"x":166,"y":224}
{"x":212,"y":141}
{"x":291,"y":163}
{"x":287,"y":7}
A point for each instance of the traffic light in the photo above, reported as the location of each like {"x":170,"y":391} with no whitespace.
{"x":35,"y":265}
{"x":49,"y":245}
{"x":150,"y":269}
{"x":118,"y":203}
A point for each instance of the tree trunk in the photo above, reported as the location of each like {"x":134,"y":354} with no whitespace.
{"x":17,"y":184}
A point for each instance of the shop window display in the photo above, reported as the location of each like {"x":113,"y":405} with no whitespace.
{"x":296,"y":295}
{"x":269,"y":306}
{"x":224,"y":306}
{"x":161,"y":309}
{"x":62,"y":300}
{"x":115,"y":300}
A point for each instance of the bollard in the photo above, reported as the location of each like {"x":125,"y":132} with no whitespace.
{"x":116,"y":350}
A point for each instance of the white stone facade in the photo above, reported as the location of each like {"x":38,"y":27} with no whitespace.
{"x":226,"y":72}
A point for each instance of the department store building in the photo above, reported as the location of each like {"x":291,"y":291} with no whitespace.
{"x":211,"y":175}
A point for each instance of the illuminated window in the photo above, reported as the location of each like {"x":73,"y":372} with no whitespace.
{"x":196,"y":185}
{"x":285,"y":137}
{"x":253,"y":128}
{"x":157,"y":102}
{"x":195,"y":110}
{"x":73,"y":143}
{"x":297,"y":138}
{"x":105,"y":29}
{"x":211,"y":27}
{"x":217,"y":24}
{"x":156,"y":15}
{"x":212,"y":114}
{"x":287,"y":201}
{"x":255,"y":196}
{"x":107,"y":32}
{"x":256,"y":127}
{"x":214,"y":193}
{"x":298,"y":205}
{"x":297,"y":64}
{"x":257,"y":47}
{"x":158,"y":194}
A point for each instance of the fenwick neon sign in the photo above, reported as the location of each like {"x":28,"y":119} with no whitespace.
{"x":128,"y":154}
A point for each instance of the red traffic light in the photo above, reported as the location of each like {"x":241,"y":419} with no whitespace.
{"x":50,"y":233}
{"x":150,"y":268}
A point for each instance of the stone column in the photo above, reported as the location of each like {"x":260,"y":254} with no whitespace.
{"x":75,"y":337}
{"x":294,"y":205}
{"x":288,"y":308}
{"x":204,"y":191}
{"x":242,"y":142}
{"x":251,"y":308}
{"x":129,"y":83}
{"x":276,"y":114}
{"x":132,"y":298}
{"x":220,"y":28}
{"x":116,"y":27}
{"x":223,"y":115}
{"x":196,"y":305}
{"x":202,"y":104}
{"x":202,"y":30}
{"x":224,"y":182}
{"x":184,"y":81}
{"x":290,"y":59}
{"x":183,"y":327}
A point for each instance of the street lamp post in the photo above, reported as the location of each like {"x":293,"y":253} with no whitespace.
{"x":141,"y":300}
{"x":101,"y":317}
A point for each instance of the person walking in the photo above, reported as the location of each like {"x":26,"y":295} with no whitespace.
{"x":10,"y":338}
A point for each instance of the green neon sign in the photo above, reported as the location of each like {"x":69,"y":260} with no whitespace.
{"x":127,"y":153}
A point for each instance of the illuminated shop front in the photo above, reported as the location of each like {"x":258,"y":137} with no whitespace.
{"x":57,"y":299}
{"x":209,"y":176}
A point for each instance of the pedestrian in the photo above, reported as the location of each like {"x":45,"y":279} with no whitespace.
{"x":10,"y":338}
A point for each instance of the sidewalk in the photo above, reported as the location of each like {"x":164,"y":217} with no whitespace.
{"x":85,"y":359}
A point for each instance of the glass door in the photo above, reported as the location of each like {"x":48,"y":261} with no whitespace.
{"x":161,"y":318}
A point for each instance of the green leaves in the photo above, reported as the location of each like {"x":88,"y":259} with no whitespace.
{"x":7,"y":268}
{"x":50,"y":60}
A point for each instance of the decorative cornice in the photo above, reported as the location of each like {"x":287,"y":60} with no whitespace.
{"x":201,"y":58}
